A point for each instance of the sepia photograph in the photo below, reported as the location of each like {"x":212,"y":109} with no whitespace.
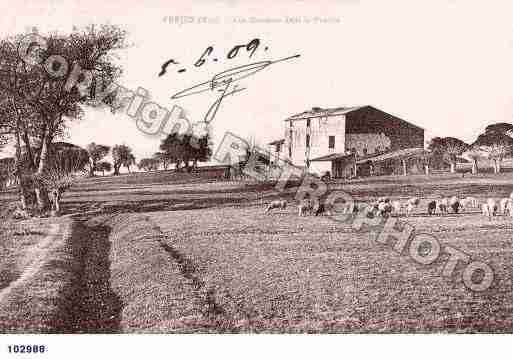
{"x":282,"y":167}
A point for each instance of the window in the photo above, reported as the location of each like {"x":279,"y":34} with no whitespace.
{"x":331,"y":142}
{"x":307,"y":140}
{"x":308,"y":123}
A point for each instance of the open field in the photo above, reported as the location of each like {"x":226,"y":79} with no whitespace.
{"x":166,"y":252}
{"x":283,"y":273}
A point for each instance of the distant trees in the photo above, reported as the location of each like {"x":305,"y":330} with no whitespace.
{"x":448,"y":149}
{"x":149,"y":164}
{"x":474,"y":154}
{"x":497,"y":152}
{"x":425,"y":159}
{"x":497,"y":142}
{"x":164,"y":159}
{"x":103,"y":167}
{"x":122,"y":156}
{"x":186,"y":149}
{"x":96,"y":153}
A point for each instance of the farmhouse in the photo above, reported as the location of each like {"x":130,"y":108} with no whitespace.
{"x":339,"y":139}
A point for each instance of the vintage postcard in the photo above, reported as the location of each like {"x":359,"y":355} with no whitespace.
{"x":245,"y":167}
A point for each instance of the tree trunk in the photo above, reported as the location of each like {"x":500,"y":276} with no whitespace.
{"x":19,"y":171}
{"x":499,"y":165}
{"x":116,"y":169}
{"x":56,"y":202}
{"x":405,"y":172}
{"x":187,"y":166}
{"x":426,"y":169}
{"x":30,"y":155}
{"x":92,"y":166}
{"x":495,"y":169}
{"x":474,"y":167}
{"x":453,"y":167}
{"x":41,"y":193}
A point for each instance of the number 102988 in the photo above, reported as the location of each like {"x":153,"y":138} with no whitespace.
{"x":26,"y":349}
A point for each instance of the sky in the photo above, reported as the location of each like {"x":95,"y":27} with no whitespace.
{"x":444,"y":65}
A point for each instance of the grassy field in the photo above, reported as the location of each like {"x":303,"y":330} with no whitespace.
{"x":168,"y":252}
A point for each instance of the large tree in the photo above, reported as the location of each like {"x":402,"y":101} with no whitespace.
{"x":497,"y":142}
{"x":186,"y":149}
{"x":474,"y":154}
{"x":447,"y":148}
{"x":122,"y":156}
{"x":165,"y":159}
{"x":38,"y":98}
{"x":103,"y":167}
{"x":96,"y":153}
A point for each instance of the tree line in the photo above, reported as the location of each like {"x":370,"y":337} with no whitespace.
{"x":121,"y":156}
{"x":184,"y":152}
{"x":495,"y":144}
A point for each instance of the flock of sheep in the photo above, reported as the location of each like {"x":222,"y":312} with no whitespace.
{"x":385,"y":207}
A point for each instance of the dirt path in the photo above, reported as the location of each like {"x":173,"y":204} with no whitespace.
{"x":98,"y":308}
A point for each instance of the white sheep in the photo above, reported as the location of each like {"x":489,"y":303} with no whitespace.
{"x":411,"y":204}
{"x":492,"y":204}
{"x":509,"y":208}
{"x":304,"y":207}
{"x":469,"y":202}
{"x":503,"y":205}
{"x":282,"y":204}
{"x":373,"y":207}
{"x":441,"y":205}
{"x":384,"y":209}
{"x":489,"y":208}
{"x":414,"y":201}
{"x":453,"y":200}
{"x":397,"y":207}
{"x":409,"y":209}
{"x":485,"y":210}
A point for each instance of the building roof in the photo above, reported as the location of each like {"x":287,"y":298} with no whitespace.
{"x":277,"y":142}
{"x":321,"y":112}
{"x":400,"y":154}
{"x":324,"y":112}
{"x":332,"y":157}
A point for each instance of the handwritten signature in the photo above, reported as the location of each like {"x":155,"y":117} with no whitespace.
{"x":223,"y":81}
